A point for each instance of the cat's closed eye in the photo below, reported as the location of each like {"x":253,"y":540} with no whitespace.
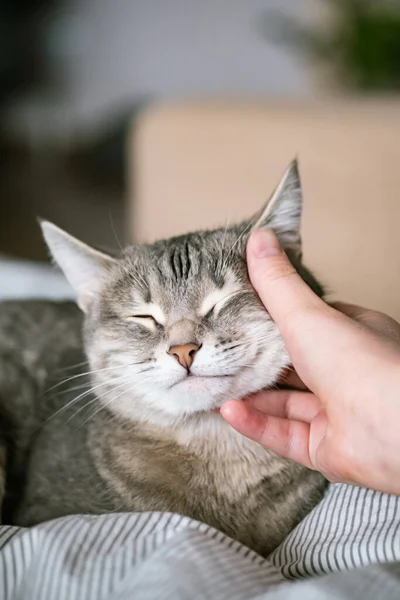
{"x":220,"y":304}
{"x":147,"y":321}
{"x":210,"y":313}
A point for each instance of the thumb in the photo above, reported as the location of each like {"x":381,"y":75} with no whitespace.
{"x":322,"y":342}
{"x":282,"y":291}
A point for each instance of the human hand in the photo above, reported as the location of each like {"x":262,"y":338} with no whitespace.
{"x":346,"y":424}
{"x":379,"y":322}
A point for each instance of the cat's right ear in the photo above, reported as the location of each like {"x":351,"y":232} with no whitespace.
{"x":282,"y":212}
{"x":83,"y":266}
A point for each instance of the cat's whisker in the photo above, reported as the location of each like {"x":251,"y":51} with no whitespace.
{"x":70,"y":367}
{"x":96,"y":398}
{"x":142,"y":279}
{"x":104,"y":405}
{"x":246,"y":344}
{"x":134,"y":275}
{"x":145,"y":370}
{"x":256,"y":341}
{"x":74,"y":389}
{"x":221,"y":257}
{"x":245,"y":230}
{"x":81,"y":408}
{"x":127,"y":390}
{"x":139,"y":282}
{"x":79,"y":375}
{"x":236,"y":365}
{"x":82,"y":395}
{"x":94,"y":372}
{"x":115,"y":233}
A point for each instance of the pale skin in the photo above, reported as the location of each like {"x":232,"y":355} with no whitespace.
{"x":344,"y":417}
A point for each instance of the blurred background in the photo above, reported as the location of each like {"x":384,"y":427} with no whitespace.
{"x":135,"y":119}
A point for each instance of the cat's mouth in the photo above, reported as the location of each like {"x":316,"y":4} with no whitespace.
{"x":197,"y":393}
{"x":208,"y":376}
{"x":191,"y":377}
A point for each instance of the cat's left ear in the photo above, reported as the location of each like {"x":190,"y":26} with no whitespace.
{"x":282,"y":213}
{"x":85,"y":268}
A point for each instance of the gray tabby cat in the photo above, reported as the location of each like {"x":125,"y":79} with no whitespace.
{"x":169,"y":332}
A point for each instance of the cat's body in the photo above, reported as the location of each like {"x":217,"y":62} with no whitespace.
{"x":173,"y":331}
{"x":74,"y":462}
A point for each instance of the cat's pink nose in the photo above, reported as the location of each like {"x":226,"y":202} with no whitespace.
{"x":184,"y":354}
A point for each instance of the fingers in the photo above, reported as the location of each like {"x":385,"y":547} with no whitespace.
{"x":290,"y":378}
{"x":287,"y":438}
{"x":276,"y":281}
{"x":378,"y":321}
{"x":351,"y":310}
{"x":286,"y":404}
{"x":321,"y":342}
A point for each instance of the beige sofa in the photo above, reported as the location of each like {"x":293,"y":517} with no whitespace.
{"x":197,"y":164}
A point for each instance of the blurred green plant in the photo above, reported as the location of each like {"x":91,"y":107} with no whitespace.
{"x":362,"y":44}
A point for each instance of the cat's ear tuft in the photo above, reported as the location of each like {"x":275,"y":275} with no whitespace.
{"x":83,"y":266}
{"x":282,"y":213}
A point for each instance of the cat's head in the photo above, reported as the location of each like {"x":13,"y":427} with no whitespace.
{"x":175,"y":328}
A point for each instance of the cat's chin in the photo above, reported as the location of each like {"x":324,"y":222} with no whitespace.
{"x":199,"y":394}
{"x":197,"y":381}
{"x":191,"y":397}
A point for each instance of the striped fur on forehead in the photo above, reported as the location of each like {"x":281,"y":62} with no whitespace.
{"x":212,"y":254}
{"x":182,"y":264}
{"x":178,"y":277}
{"x":182,"y":258}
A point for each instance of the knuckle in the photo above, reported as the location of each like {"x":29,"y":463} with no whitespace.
{"x":289,"y":437}
{"x":290,"y":405}
{"x":279,"y":267}
{"x":302,"y":320}
{"x":338,"y":465}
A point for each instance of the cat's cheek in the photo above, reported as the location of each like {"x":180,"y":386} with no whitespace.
{"x":266,"y":370}
{"x":167,"y":372}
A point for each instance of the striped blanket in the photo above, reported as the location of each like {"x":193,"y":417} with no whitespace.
{"x":352,"y":540}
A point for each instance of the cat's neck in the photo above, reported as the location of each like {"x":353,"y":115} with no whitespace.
{"x":208,"y":433}
{"x":238,"y":460}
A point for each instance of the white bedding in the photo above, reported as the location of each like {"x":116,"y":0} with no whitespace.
{"x":346,"y":548}
{"x":24,"y":279}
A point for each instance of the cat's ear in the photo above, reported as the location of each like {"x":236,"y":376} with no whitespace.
{"x":83,"y":266}
{"x":282,"y":213}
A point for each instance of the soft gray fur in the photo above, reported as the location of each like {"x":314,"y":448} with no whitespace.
{"x":98,"y":415}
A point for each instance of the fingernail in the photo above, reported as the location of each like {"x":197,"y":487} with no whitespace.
{"x":264,"y":243}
